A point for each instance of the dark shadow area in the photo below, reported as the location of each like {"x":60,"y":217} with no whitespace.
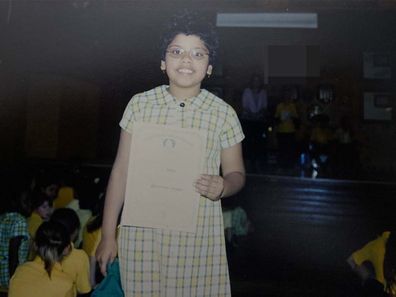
{"x":304,"y":230}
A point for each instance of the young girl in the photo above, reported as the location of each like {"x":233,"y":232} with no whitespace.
{"x":42,"y":209}
{"x":44,"y":276}
{"x":76,"y":263}
{"x":157,"y":262}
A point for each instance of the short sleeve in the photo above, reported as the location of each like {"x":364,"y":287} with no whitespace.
{"x":82,"y":282}
{"x":19,"y":228}
{"x":129,"y":116}
{"x":91,"y":241}
{"x":231,"y":133}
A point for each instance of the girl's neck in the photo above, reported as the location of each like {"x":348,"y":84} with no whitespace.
{"x":183,"y":93}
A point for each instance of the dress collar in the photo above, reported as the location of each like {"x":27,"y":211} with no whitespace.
{"x":193,"y":102}
{"x":40,"y":262}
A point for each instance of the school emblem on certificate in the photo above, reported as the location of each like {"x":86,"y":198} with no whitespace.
{"x":164,"y":162}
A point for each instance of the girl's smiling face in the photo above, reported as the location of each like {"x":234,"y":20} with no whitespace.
{"x":186,"y":62}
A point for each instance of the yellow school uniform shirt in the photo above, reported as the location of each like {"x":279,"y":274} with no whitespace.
{"x":76,"y":265}
{"x":321,"y":135}
{"x":91,"y":241}
{"x":286,"y":112}
{"x":374,"y":252}
{"x":31,"y":280}
{"x":34,"y":222}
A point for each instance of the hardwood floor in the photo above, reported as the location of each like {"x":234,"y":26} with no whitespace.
{"x":304,"y":229}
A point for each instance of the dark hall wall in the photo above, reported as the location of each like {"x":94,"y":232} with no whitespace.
{"x":87,"y":63}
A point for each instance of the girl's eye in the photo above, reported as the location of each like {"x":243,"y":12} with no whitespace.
{"x":198,"y":54}
{"x":177,"y":51}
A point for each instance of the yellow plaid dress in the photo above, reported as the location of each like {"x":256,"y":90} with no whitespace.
{"x":157,"y":262}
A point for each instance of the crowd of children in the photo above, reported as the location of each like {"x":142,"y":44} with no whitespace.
{"x":47,"y":243}
{"x":303,"y":136}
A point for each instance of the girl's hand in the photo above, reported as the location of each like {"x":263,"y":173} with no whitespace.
{"x":106,"y":253}
{"x":210,"y":186}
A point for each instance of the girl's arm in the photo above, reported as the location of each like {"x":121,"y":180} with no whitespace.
{"x":92,"y":270}
{"x":107,"y":248}
{"x":215,"y":187}
{"x":360,"y":270}
{"x":13,"y":251}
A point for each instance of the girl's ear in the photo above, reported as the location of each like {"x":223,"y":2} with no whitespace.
{"x":67,"y":250}
{"x":163,"y":65}
{"x":209,"y":71}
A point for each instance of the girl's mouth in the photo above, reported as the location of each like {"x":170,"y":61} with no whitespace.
{"x":185,"y":71}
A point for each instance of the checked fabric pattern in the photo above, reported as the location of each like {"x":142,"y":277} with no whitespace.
{"x":12,"y":224}
{"x":164,"y":263}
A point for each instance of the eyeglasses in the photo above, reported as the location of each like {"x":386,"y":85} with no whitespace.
{"x":195,"y":54}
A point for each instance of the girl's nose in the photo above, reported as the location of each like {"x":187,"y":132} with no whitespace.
{"x":187,"y":56}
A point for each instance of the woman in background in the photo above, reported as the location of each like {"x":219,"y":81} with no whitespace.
{"x":253,"y":120}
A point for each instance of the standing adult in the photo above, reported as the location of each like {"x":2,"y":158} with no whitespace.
{"x":253,"y":118}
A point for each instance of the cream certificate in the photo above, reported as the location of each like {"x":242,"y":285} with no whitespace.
{"x":164,"y":162}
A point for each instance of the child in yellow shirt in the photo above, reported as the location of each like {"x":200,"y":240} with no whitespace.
{"x":76,"y":263}
{"x":380,"y":253}
{"x":42,"y":210}
{"x":43,"y":277}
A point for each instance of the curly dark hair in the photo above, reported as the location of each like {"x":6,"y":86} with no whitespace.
{"x":190,"y":23}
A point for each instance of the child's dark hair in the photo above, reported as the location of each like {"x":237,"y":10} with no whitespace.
{"x":15,"y":192}
{"x":50,"y":242}
{"x":68,"y":218}
{"x":45,"y":179}
{"x":189,"y":23}
{"x":38,"y":198}
{"x":18,"y":201}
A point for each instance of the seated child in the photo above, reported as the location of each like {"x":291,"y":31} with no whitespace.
{"x":91,"y":238}
{"x":43,"y":276}
{"x":380,"y":254}
{"x":236,"y":222}
{"x":47,"y":183}
{"x":76,"y":263}
{"x":14,"y":236}
{"x":67,"y":198}
{"x":42,"y":209}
